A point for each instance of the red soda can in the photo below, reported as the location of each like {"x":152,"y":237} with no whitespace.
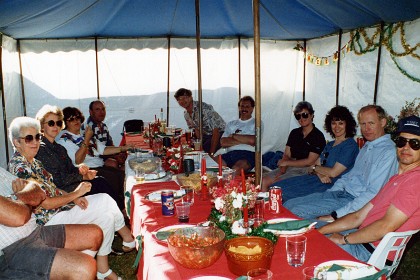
{"x":168,"y":207}
{"x":275,"y":199}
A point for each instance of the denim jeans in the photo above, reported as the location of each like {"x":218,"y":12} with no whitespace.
{"x":318,"y":204}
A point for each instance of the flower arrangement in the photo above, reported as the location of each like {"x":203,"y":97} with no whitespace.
{"x":409,"y":109}
{"x":174,"y":158}
{"x":229,"y":203}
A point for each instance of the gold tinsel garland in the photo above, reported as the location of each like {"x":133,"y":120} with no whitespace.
{"x":361,"y":43}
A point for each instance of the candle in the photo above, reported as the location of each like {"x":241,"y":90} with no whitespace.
{"x":244,"y":193}
{"x":220,"y":165}
{"x":204,"y":189}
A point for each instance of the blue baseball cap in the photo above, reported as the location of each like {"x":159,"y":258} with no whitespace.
{"x":409,"y":124}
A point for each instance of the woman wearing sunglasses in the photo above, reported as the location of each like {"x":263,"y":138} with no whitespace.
{"x":61,"y":207}
{"x":55,"y":159}
{"x":336,"y":159}
{"x":84,"y":149}
{"x":303,"y":147}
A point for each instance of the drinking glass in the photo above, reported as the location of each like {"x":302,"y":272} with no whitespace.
{"x":183,"y":212}
{"x":140,"y":176}
{"x":258,"y":215}
{"x":187,"y":193}
{"x":308,"y":273}
{"x":296,"y":250}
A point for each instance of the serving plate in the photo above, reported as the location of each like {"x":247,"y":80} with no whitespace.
{"x":156,"y":195}
{"x":162,"y":233}
{"x":362,"y":269}
{"x":288,"y":232}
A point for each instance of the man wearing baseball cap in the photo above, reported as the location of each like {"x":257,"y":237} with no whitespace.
{"x":395,"y":208}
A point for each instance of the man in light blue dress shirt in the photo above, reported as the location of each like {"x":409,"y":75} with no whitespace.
{"x":374,"y":165}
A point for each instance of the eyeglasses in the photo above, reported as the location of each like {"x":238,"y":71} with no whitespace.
{"x":401,"y":142}
{"x":303,"y":115}
{"x":52,"y":123}
{"x":326,"y":154}
{"x":29,"y":138}
{"x":73,"y":118}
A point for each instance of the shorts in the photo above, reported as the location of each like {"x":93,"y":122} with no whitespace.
{"x":32,"y":257}
{"x":233,"y":156}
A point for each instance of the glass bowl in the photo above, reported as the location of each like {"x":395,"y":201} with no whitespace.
{"x":194,"y":179}
{"x":196,"y":247}
{"x":250,"y":252}
{"x":149,"y":165}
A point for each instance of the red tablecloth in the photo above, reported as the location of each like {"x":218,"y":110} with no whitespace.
{"x":157,"y":263}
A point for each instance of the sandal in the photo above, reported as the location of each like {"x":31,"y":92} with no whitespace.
{"x":129,"y":246}
{"x":102,"y":276}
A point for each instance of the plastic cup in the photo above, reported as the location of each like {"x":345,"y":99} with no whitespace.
{"x":140,"y":176}
{"x":183,"y":212}
{"x":258,"y":214}
{"x":187,"y":194}
{"x":296,"y":250}
{"x":260,"y":274}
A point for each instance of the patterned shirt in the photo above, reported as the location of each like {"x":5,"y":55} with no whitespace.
{"x":100,"y":132}
{"x":22,"y":168}
{"x":211,"y":119}
{"x":9,"y":235}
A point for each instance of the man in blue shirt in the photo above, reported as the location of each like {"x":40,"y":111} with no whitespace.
{"x":374,"y":165}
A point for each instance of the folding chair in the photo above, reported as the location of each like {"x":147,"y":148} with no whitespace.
{"x":392,"y":242}
{"x":133,"y":126}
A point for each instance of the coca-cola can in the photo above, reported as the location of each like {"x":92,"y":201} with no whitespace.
{"x":275,"y":199}
{"x":168,"y":207}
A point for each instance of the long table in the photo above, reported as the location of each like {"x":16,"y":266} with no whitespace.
{"x":157,"y":263}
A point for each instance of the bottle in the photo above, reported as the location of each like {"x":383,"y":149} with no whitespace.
{"x":162,"y":122}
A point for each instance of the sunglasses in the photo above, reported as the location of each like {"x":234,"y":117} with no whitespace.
{"x":52,"y":123}
{"x":303,"y":115}
{"x":29,"y":138}
{"x":73,"y":118}
{"x":413,"y":143}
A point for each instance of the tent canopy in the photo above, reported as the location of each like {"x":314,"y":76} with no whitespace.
{"x":280,"y":19}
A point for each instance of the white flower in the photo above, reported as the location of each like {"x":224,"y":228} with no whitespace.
{"x":237,"y":229}
{"x":178,"y":155}
{"x":219,"y":203}
{"x":237,"y":202}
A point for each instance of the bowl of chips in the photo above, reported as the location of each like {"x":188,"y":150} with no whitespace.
{"x":194,"y":180}
{"x":248,"y":252}
{"x":149,"y":165}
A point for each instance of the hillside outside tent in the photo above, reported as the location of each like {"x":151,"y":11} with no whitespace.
{"x":132,"y":68}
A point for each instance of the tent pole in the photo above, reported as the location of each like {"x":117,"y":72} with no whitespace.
{"x":97,"y":68}
{"x":3,"y":102}
{"x":378,"y":64}
{"x":337,"y":79}
{"x":258,"y":165}
{"x":21,"y":79}
{"x":239,"y":68}
{"x":304,"y":71}
{"x":168,"y":81}
{"x":200,"y":92}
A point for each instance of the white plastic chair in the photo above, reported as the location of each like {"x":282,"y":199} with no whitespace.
{"x":391,"y":242}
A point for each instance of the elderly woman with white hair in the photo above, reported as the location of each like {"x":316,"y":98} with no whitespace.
{"x":60,"y":207}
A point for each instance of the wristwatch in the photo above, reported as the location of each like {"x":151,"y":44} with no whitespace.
{"x":345,"y":239}
{"x":12,"y":196}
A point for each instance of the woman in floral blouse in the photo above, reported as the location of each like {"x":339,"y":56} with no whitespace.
{"x":61,"y":207}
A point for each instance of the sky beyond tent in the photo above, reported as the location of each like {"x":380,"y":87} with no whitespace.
{"x":280,"y":19}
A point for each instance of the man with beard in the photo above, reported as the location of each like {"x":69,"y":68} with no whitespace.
{"x":239,"y":138}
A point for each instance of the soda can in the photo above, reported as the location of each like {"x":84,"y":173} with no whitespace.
{"x":275,"y":199}
{"x":168,"y":207}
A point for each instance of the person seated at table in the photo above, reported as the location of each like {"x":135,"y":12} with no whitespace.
{"x":97,"y":114}
{"x":303,"y":148}
{"x":374,"y":165}
{"x":60,"y":207}
{"x":29,"y":251}
{"x":239,"y":138}
{"x":213,"y":124}
{"x":84,"y":149}
{"x":56,"y":161}
{"x":396,"y":208}
{"x":336,"y":159}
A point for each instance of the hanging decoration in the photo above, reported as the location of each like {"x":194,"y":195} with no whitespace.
{"x":361,"y":43}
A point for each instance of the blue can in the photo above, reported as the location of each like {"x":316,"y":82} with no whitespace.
{"x":168,"y":207}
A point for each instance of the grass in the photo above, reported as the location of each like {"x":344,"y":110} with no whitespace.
{"x":408,"y":269}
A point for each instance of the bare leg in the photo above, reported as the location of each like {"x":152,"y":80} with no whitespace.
{"x":126,"y":234}
{"x":83,"y":237}
{"x":103,"y":267}
{"x":71,"y":264}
